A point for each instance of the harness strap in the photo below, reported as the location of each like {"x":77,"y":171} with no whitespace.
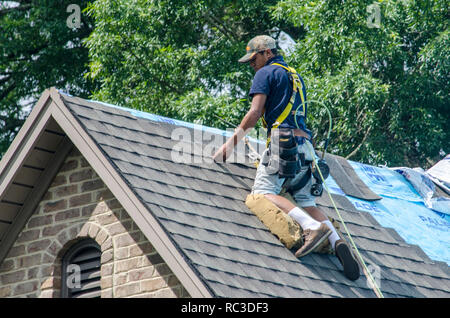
{"x":296,"y":87}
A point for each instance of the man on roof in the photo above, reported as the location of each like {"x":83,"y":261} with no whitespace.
{"x":279,"y":96}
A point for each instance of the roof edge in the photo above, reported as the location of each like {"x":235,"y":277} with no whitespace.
{"x":18,"y":146}
{"x":171,"y":121}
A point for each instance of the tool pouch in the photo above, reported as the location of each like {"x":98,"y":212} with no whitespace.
{"x":283,"y":146}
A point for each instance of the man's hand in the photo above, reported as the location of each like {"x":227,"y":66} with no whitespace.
{"x":248,"y":122}
{"x":222,"y":153}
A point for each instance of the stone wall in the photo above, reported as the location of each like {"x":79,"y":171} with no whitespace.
{"x":78,"y":205}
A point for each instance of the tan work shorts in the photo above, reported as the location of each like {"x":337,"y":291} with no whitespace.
{"x":267,"y":180}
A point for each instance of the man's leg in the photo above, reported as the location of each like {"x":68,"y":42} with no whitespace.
{"x":314,"y":212}
{"x":314,"y":232}
{"x":281,"y":202}
{"x":342,"y":250}
{"x":268,"y":183}
{"x":305,"y":220}
{"x":318,"y":215}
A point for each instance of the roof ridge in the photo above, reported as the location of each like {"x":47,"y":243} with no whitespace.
{"x":159,"y":118}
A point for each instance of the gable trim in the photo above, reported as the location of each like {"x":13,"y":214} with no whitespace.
{"x":129,"y":201}
{"x":24,"y":142}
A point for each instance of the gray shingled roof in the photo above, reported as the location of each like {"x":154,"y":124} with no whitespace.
{"x":201,"y":206}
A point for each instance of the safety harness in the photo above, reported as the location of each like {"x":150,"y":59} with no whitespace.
{"x":296,"y":87}
{"x":284,"y":145}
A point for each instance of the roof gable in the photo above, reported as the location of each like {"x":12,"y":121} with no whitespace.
{"x":51,"y":110}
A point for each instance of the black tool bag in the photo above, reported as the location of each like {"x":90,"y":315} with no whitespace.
{"x":283,"y":145}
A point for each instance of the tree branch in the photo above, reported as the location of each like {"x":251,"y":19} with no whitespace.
{"x":11,"y":57}
{"x":10,"y":123}
{"x":19,"y":8}
{"x":221,"y":26}
{"x":359,"y":146}
{"x":7,"y":90}
{"x":5,"y":79}
{"x":162,"y":83}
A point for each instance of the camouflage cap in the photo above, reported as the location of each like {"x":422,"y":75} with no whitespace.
{"x":257,"y":44}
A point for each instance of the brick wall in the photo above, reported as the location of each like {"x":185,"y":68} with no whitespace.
{"x":78,"y":205}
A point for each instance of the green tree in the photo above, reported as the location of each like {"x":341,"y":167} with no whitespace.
{"x":385,"y":82}
{"x":384,"y":77}
{"x":40,"y":47}
{"x":177,"y":58}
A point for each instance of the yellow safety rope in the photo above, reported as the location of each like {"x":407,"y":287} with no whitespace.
{"x":253,"y":154}
{"x":366,"y":270}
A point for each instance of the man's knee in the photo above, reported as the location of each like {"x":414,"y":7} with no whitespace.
{"x":278,"y":222}
{"x":282,"y":202}
{"x":316,"y":213}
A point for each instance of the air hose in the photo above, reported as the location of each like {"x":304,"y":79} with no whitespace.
{"x":330,"y":124}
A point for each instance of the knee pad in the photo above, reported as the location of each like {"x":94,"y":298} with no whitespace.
{"x":279,"y":223}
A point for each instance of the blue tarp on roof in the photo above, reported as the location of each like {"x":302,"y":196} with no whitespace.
{"x":402,"y":209}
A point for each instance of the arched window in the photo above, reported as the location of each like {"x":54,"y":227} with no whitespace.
{"x":80,"y":275}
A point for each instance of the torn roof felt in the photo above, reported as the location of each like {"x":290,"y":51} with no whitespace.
{"x":201,"y":206}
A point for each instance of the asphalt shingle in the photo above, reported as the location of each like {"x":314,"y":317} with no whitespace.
{"x":201,"y":206}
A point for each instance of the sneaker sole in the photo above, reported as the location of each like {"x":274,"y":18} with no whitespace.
{"x":351,"y":268}
{"x":323,"y":238}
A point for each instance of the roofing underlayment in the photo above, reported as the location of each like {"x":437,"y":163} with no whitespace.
{"x":402,"y":209}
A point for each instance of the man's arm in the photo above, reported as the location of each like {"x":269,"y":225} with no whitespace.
{"x":248,"y":122}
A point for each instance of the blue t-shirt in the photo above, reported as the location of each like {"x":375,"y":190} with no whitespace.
{"x":273,"y":81}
